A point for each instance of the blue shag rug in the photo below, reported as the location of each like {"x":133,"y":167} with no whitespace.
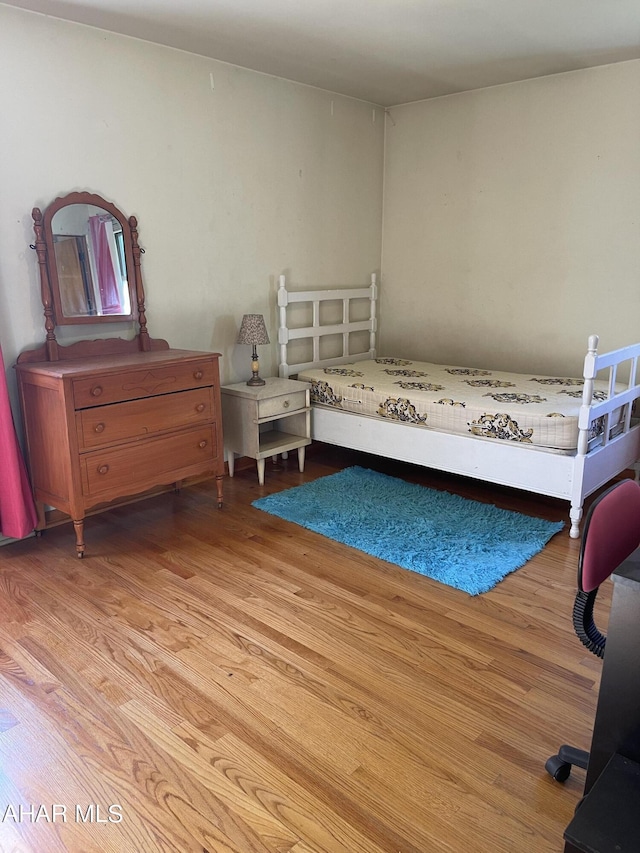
{"x":468,"y":545}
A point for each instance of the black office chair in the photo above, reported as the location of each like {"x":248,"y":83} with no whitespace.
{"x":611,"y":533}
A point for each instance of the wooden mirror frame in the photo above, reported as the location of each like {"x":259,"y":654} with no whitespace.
{"x":50,"y":291}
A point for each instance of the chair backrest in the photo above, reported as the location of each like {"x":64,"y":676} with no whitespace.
{"x":611,"y":533}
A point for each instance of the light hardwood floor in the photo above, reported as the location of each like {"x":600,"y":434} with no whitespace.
{"x":231,"y":683}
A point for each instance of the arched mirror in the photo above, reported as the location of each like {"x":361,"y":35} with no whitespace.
{"x":89,"y":260}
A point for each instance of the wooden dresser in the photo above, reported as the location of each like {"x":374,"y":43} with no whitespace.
{"x":104,"y":427}
{"x":108,"y":418}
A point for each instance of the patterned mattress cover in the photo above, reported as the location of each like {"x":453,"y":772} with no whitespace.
{"x":528,"y":408}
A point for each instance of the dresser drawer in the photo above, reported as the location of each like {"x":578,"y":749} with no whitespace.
{"x":135,"y":467}
{"x":101,"y":389}
{"x":104,"y":425}
{"x":282,"y":405}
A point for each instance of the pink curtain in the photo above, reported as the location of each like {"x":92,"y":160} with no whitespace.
{"x":107,"y":283}
{"x":17,"y":509}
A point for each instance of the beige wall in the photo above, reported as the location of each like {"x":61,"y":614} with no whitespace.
{"x":512,"y":222}
{"x":235,"y":177}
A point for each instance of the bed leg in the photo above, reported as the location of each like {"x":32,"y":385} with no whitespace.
{"x":575,"y":514}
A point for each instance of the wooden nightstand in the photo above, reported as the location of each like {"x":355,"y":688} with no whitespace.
{"x":266,"y":420}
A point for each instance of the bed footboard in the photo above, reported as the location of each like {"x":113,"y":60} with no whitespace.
{"x":608,"y":432}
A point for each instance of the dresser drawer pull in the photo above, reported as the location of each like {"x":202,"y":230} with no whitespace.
{"x":103,"y":469}
{"x":200,"y":407}
{"x":96,"y":391}
{"x":203,"y":443}
{"x":286,"y":404}
{"x":198,"y":374}
{"x":99,"y":428}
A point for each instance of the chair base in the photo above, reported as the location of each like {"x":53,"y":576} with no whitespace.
{"x":559,"y":766}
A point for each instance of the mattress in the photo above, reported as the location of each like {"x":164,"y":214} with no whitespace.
{"x":526,"y":408}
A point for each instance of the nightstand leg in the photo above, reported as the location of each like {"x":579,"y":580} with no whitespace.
{"x":301,"y":459}
{"x":261,"y":471}
{"x":231,"y":461}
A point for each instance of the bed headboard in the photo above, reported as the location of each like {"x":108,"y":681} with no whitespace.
{"x":316,"y":331}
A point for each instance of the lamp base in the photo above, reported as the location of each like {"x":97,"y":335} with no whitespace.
{"x":255,"y":367}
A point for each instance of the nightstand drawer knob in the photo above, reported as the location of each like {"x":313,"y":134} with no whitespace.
{"x":200,"y":407}
{"x":96,"y":391}
{"x":203,"y":443}
{"x":286,"y":404}
{"x":198,"y":374}
{"x":103,"y":469}
{"x":99,"y":428}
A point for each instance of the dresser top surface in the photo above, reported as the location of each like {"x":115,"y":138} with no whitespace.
{"x":112,"y":363}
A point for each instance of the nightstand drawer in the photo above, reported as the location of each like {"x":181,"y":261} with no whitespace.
{"x":133,"y":384}
{"x":274,"y":407}
{"x":104,"y":425}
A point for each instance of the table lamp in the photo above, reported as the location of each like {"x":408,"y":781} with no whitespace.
{"x":253,"y":331}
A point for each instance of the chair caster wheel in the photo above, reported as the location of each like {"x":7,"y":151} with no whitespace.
{"x":557,"y":768}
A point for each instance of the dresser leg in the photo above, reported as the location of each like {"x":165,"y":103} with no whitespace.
{"x":219,"y":484}
{"x":79,"y":528}
{"x":42,"y":520}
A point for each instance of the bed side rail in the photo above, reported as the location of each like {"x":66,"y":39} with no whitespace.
{"x":592,"y":410}
{"x":316,"y":331}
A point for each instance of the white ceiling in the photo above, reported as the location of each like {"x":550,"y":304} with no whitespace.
{"x":384,"y":51}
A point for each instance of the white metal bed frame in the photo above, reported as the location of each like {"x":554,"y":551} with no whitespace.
{"x":572,"y":477}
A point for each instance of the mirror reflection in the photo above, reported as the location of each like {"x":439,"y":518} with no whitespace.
{"x":90,"y":260}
